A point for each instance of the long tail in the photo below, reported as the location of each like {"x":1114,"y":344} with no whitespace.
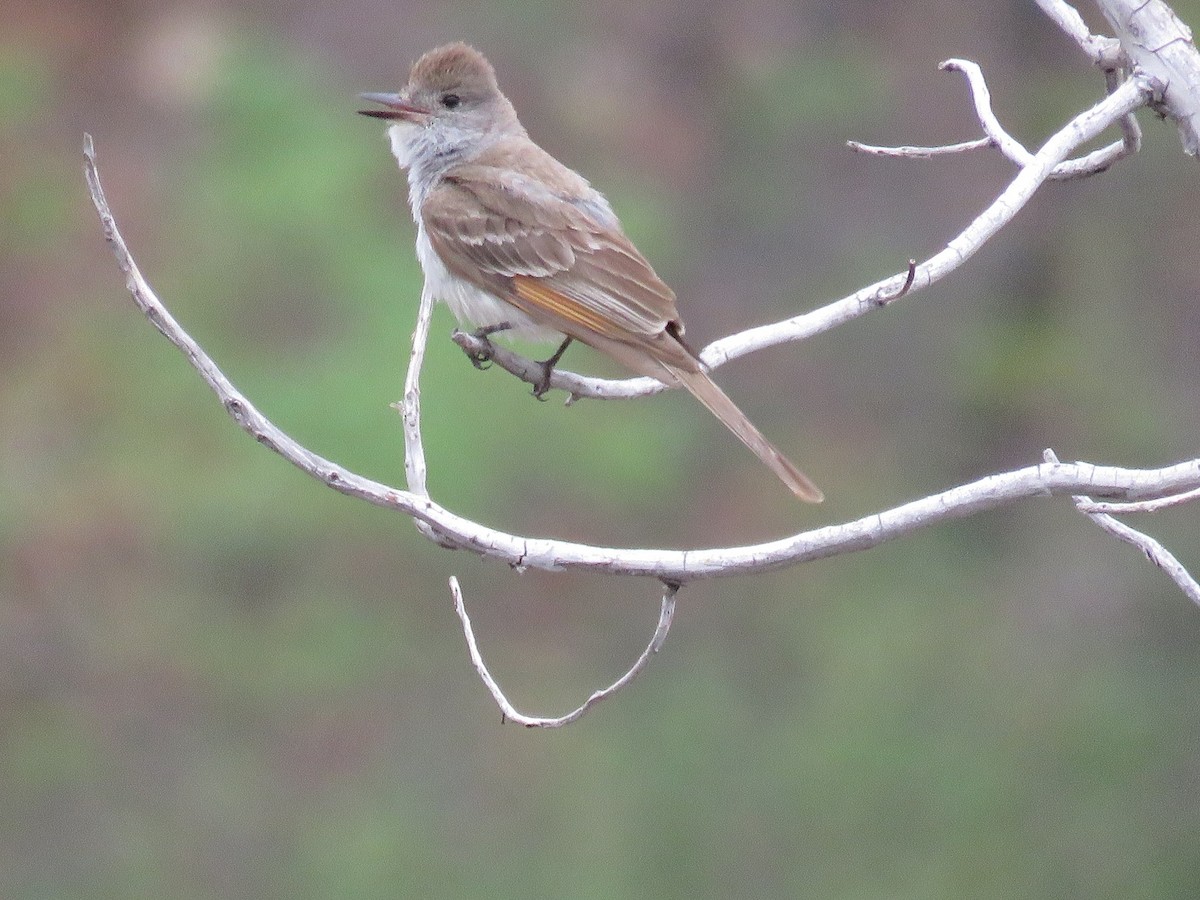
{"x":706,"y":391}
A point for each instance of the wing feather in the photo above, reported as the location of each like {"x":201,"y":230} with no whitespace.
{"x":501,"y":231}
{"x":563,"y":260}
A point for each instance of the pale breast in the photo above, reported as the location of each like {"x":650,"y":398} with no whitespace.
{"x":471,"y":305}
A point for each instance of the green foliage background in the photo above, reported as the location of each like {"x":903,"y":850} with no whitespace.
{"x":219,"y":679}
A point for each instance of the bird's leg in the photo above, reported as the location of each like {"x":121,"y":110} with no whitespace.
{"x":480,"y":358}
{"x":543,"y":384}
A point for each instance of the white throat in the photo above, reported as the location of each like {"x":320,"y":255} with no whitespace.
{"x":425,"y":158}
{"x":403,"y":138}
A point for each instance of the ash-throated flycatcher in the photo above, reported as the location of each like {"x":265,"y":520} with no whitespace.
{"x":512,"y":240}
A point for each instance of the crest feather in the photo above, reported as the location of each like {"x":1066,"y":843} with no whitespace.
{"x":458,"y":65}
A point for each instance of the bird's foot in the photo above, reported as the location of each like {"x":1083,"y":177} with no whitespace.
{"x":482,"y":358}
{"x":542,"y":385}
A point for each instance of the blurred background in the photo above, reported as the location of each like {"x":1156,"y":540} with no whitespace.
{"x":220,"y":679}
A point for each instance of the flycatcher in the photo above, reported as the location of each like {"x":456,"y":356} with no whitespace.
{"x":512,"y":240}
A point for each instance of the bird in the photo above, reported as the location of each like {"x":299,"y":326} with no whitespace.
{"x":515,"y":242}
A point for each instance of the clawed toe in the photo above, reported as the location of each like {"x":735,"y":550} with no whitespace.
{"x":542,"y":385}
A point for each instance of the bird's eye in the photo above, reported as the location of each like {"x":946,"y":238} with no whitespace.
{"x":450,"y":101}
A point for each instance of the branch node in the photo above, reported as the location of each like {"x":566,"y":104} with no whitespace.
{"x":885,"y":299}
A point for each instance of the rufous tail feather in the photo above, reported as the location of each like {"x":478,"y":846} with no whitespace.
{"x":707,"y":392}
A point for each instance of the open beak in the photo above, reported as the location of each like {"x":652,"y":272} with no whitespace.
{"x":394,"y":107}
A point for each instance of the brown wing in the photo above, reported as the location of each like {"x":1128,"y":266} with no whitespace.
{"x":571,"y":268}
{"x":509,"y":234}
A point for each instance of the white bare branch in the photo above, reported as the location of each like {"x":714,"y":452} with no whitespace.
{"x":1154,"y":550}
{"x":1105,"y":52}
{"x":1144,"y":506}
{"x":1163,"y":73}
{"x":908,"y":151}
{"x":1158,"y":43}
{"x":415,"y":470}
{"x":510,"y":713}
{"x":671,"y":566}
{"x":410,"y":407}
{"x":981,"y":95}
{"x":1127,"y":490}
{"x":1091,"y":164}
{"x":1036,"y":170}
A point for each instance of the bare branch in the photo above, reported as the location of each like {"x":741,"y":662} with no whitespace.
{"x":1138,"y":490}
{"x":1146,"y":506}
{"x":1090,"y":164}
{"x":510,"y":713}
{"x":575,"y":385}
{"x":1131,"y":132}
{"x":1105,"y":52}
{"x":1039,"y":168}
{"x":410,"y":407}
{"x":911,"y":152}
{"x":1158,"y":43}
{"x":673,"y":566}
{"x":410,"y":411}
{"x":982,"y":97}
{"x":1155,"y":551}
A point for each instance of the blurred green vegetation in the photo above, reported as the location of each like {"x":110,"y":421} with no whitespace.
{"x":219,"y":679}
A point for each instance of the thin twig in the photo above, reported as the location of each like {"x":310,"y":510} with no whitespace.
{"x":1145,"y":506}
{"x":982,"y":98}
{"x":510,"y":713}
{"x":911,"y":152}
{"x":904,"y":288}
{"x":1155,"y":551}
{"x":1091,"y":164}
{"x":1131,"y":131}
{"x":409,"y":407}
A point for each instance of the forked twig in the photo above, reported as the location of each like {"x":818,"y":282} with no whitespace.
{"x":1153,"y":549}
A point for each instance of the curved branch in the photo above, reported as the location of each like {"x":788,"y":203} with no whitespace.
{"x":1103,"y":51}
{"x":1036,"y":170}
{"x":674,"y":566}
{"x":1090,"y":164}
{"x":982,"y":98}
{"x":509,"y":713}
